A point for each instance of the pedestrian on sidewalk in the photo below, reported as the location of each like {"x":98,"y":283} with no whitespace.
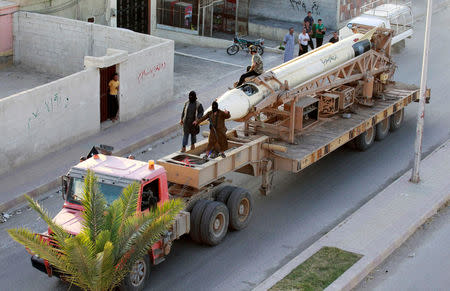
{"x":217,"y":141}
{"x":303,"y":39}
{"x":113,"y":101}
{"x":308,"y":28}
{"x":308,"y":19}
{"x":192,"y":110}
{"x":319,"y":31}
{"x":335,"y":37}
{"x":289,"y":44}
{"x":255,"y":69}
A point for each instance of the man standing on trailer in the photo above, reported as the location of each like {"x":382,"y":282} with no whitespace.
{"x":191,"y":111}
{"x":335,"y":37}
{"x":289,"y":45}
{"x":217,"y":141}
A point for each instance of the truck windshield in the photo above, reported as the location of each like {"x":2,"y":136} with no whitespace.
{"x":76,"y":191}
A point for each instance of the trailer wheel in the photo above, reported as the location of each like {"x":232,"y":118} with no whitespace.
{"x":196,"y":217}
{"x":139,"y":274}
{"x":214,"y":224}
{"x":240,"y":205}
{"x":224,"y":194}
{"x":365,"y":139}
{"x":397,"y":119}
{"x":382,"y":129}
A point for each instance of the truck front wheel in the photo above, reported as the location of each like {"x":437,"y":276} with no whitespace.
{"x":240,"y":205}
{"x":139,"y":274}
{"x":214,"y":223}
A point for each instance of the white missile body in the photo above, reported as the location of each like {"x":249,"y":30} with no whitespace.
{"x":239,"y":101}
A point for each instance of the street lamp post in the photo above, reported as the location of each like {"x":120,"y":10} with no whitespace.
{"x":421,"y":111}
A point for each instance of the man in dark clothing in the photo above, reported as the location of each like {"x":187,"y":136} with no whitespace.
{"x":217,"y":141}
{"x":335,"y":38}
{"x":309,"y":19}
{"x":308,"y":28}
{"x":191,"y":112}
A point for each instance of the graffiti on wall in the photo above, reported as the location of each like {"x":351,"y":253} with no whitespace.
{"x":55,"y":103}
{"x":303,"y":6}
{"x":151,"y":71}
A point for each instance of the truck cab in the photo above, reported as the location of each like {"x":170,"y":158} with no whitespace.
{"x":113,"y":175}
{"x":397,"y":17}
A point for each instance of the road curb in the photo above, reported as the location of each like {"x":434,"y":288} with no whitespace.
{"x":44,"y":188}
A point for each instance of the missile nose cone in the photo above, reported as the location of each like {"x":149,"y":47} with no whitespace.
{"x":236,"y":102}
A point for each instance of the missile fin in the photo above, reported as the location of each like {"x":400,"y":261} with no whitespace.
{"x":369,"y":34}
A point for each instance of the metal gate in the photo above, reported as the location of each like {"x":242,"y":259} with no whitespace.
{"x":133,"y":15}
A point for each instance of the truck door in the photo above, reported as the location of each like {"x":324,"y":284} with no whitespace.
{"x":151,"y":194}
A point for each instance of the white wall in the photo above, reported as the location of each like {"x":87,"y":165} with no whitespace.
{"x":58,"y":45}
{"x":46,"y":118}
{"x":146,"y":80}
{"x":51,"y":44}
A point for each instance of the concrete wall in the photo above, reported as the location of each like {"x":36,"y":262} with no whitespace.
{"x":46,"y":118}
{"x":57,"y":47}
{"x":146,"y":80}
{"x":294,"y":11}
{"x":73,"y":9}
{"x":60,"y":44}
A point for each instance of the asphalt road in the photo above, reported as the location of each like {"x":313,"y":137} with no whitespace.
{"x":302,"y":207}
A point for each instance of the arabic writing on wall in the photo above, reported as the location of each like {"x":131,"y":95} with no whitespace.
{"x":301,"y":4}
{"x":56,"y":103}
{"x":151,"y":72}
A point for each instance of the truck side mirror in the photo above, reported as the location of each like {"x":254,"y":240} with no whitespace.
{"x":64,"y":186}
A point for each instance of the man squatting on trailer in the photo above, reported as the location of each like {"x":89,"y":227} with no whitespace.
{"x":217,"y":141}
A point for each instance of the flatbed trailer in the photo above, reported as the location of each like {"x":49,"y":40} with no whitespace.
{"x":193,"y":178}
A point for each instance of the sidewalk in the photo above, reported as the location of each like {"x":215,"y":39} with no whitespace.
{"x":384,"y":223}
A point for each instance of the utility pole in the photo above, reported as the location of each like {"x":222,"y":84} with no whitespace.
{"x":421,"y":111}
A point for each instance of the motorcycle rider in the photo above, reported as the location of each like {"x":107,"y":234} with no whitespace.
{"x":256,"y":68}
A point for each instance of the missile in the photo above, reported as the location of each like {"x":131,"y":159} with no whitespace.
{"x":239,"y":101}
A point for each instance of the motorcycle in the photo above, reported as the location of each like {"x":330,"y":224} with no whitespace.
{"x":244,"y":44}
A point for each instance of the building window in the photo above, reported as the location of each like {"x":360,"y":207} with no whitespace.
{"x":179,"y":14}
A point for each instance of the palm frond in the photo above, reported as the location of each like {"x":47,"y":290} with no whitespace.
{"x":60,"y":233}
{"x":103,"y":237}
{"x":81,"y":262}
{"x":105,"y":266}
{"x":37,"y":246}
{"x":151,"y":226}
{"x":94,"y":204}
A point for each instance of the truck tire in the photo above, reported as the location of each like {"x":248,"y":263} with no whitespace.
{"x":240,"y":205}
{"x":196,"y":217}
{"x":224,"y":194}
{"x":138,"y":276}
{"x":365,"y":139}
{"x":397,"y":120}
{"x":382,"y":129}
{"x":214,"y":224}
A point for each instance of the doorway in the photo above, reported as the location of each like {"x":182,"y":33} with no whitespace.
{"x":106,"y":75}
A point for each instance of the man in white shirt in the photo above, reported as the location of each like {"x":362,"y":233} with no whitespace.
{"x":303,"y":39}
